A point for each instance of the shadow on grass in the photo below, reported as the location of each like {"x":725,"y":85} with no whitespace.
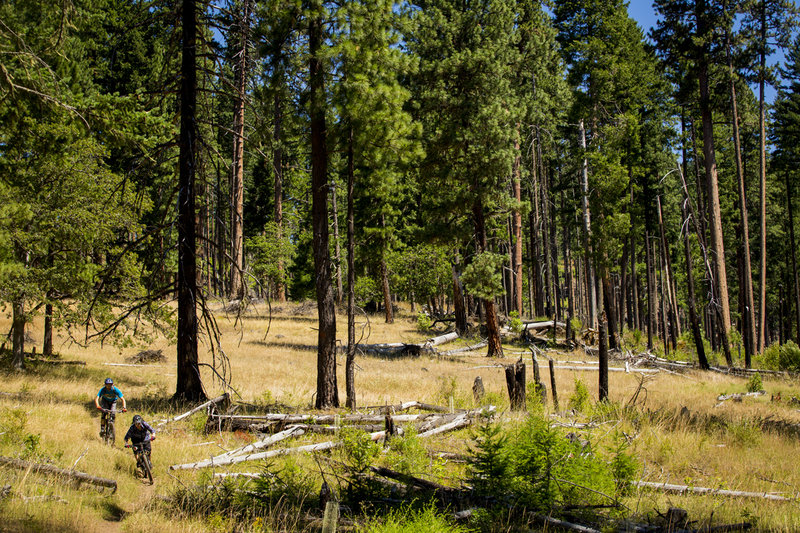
{"x":112,"y":512}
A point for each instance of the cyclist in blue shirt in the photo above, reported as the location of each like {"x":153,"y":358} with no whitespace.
{"x":108,"y":396}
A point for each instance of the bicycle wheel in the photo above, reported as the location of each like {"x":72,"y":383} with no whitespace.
{"x":110,"y":434}
{"x":147,"y":467}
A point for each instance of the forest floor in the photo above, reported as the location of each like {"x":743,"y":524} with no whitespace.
{"x":689,"y":437}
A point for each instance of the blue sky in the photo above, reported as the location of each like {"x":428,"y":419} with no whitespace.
{"x":642,"y":12}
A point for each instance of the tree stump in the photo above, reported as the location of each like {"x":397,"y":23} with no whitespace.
{"x":515,"y":379}
{"x":478,"y":391}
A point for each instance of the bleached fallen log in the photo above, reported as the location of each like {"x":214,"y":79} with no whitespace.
{"x":681,"y":489}
{"x":459,"y":422}
{"x":268,"y":454}
{"x":294,"y":431}
{"x":549,"y":520}
{"x":527,"y":326}
{"x":610,"y":369}
{"x":249,"y":475}
{"x":441,"y":339}
{"x":19,"y":464}
{"x":317,"y":419}
{"x":391,"y":409}
{"x":471,"y":348}
{"x":739,"y":395}
{"x":200,"y":407}
{"x":131,"y":364}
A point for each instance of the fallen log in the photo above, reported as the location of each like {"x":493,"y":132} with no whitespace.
{"x":738,"y":396}
{"x":681,"y":489}
{"x":268,"y":454}
{"x":391,"y":409}
{"x":318,"y":419}
{"x":550,"y":521}
{"x":81,"y":477}
{"x":215,"y":401}
{"x":57,"y":362}
{"x":294,"y":431}
{"x":536,"y":326}
{"x":440,"y":490}
{"x":471,"y":348}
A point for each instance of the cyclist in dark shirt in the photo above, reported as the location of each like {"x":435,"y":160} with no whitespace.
{"x":140,"y":432}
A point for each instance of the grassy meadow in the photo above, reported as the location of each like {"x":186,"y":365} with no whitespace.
{"x":47,"y":414}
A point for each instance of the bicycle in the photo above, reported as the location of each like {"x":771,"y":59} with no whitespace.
{"x":142,"y":460}
{"x":107,"y":426}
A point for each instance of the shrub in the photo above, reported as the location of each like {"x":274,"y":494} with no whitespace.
{"x":537,"y":467}
{"x":781,"y":357}
{"x":755,"y":384}
{"x":514,"y":322}
{"x":424,"y":322}
{"x":580,"y":400}
{"x":409,"y":520}
{"x":358,"y":450}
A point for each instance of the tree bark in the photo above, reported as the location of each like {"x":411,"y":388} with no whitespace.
{"x":189,"y":386}
{"x":458,"y":301}
{"x":762,"y":150}
{"x":47,"y":347}
{"x":748,"y":314}
{"x":709,"y":159}
{"x":327,"y":392}
{"x":693,"y":318}
{"x":495,"y":348}
{"x":790,"y":209}
{"x":277,"y":164}
{"x":603,"y":370}
{"x":387,"y":295}
{"x":672,"y":302}
{"x":350,"y":361}
{"x":237,"y":167}
{"x":516,"y":227}
{"x":587,"y":230}
{"x":18,"y":334}
{"x":337,"y":251}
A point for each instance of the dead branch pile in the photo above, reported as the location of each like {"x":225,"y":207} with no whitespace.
{"x":282,"y":426}
{"x":147,"y":357}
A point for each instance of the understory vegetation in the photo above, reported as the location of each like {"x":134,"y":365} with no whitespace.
{"x":507,"y":471}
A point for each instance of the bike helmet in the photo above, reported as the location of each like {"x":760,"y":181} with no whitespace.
{"x":109,"y":381}
{"x":138,"y":419}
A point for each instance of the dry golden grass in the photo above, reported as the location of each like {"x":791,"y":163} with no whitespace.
{"x":275,"y":361}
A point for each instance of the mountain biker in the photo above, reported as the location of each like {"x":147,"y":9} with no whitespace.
{"x":107,"y":399}
{"x":140,"y":432}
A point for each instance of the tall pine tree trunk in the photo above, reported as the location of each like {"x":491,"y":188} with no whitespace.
{"x":516,"y":227}
{"x":237,"y":166}
{"x":337,"y":251}
{"x":748,"y":314}
{"x":189,"y":386}
{"x":587,"y":230}
{"x":327,"y":391}
{"x":790,"y":209}
{"x":277,"y":164}
{"x":18,"y":333}
{"x":709,"y":159}
{"x":762,"y":150}
{"x":47,"y":347}
{"x":350,"y":362}
{"x":495,"y":348}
